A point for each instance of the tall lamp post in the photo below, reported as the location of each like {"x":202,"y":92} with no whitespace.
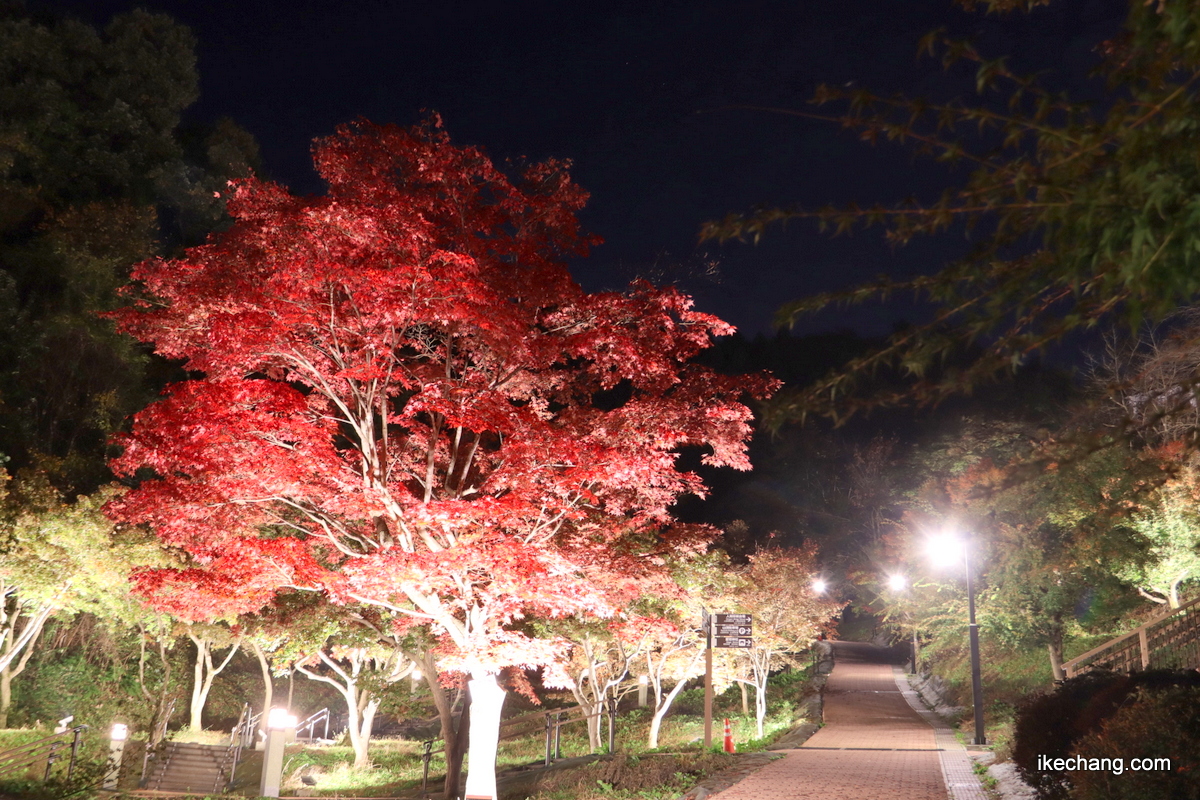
{"x":946,"y":549}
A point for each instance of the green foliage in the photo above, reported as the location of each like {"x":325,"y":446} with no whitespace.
{"x":92,"y":163}
{"x":1156,"y":724}
{"x":1051,"y":724}
{"x":1084,"y":213}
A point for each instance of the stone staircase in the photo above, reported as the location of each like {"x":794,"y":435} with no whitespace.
{"x":188,"y":767}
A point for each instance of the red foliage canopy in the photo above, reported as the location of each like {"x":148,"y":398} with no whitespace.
{"x":405,"y":400}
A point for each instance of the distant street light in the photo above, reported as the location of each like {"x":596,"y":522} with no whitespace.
{"x":897,"y":583}
{"x":819,"y":586}
{"x":948,"y":549}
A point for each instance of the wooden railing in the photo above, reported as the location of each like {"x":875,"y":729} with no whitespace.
{"x":16,"y":762}
{"x":1171,"y":641}
{"x":552,"y":721}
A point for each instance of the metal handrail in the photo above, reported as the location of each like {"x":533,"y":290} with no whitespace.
{"x":311,"y":722}
{"x":26,"y":755}
{"x":1142,"y":633}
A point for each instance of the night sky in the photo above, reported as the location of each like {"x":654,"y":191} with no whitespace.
{"x":638,"y":95}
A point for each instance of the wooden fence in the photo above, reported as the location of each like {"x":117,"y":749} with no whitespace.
{"x":1170,"y":641}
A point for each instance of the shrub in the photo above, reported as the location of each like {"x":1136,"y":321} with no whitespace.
{"x":1156,"y":724}
{"x":1051,"y":724}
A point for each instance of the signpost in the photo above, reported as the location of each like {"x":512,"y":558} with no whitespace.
{"x":721,"y":630}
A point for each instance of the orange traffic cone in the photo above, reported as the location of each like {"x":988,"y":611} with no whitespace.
{"x":730,"y":747}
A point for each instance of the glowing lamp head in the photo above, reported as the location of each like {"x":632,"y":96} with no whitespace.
{"x":643,"y":679}
{"x":416,"y":674}
{"x":946,"y":549}
{"x":819,"y":585}
{"x":120,"y":732}
{"x":279,"y":719}
{"x":896,"y":582}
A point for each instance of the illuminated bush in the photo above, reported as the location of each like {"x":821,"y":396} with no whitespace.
{"x":1162,"y":724}
{"x":1050,"y":725}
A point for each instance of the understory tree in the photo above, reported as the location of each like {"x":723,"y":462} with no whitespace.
{"x":207,"y":665}
{"x":401,"y":399}
{"x":350,"y":649}
{"x":58,"y":560}
{"x":787,"y":614}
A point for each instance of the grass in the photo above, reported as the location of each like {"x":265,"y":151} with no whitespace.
{"x":633,"y":773}
{"x":667,"y":771}
{"x":1009,"y":676}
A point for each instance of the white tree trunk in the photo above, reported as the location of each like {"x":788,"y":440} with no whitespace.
{"x":268,"y":685}
{"x":362,"y":708}
{"x":661,"y":706}
{"x":487,"y":700}
{"x":760,"y":706}
{"x":203,"y":675}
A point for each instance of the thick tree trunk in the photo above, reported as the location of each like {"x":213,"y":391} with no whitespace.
{"x":1055,"y":649}
{"x":591,"y":710}
{"x":5,"y":695}
{"x":453,"y":748}
{"x":362,"y":720}
{"x":199,"y":690}
{"x":487,"y":700}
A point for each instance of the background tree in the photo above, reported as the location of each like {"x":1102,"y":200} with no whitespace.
{"x":1167,"y":519}
{"x":344,"y":648}
{"x":96,"y":174}
{"x":207,"y":665}
{"x":787,"y":613}
{"x":403,"y":400}
{"x":61,"y":559}
{"x":1082,"y":213}
{"x":1042,"y":548}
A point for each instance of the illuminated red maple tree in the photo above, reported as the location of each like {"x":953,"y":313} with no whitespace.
{"x":401,"y":398}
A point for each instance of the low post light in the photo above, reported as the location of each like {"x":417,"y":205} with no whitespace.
{"x":116,"y":751}
{"x":279,"y":722}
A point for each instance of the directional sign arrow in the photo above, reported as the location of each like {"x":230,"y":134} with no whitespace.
{"x":733,"y":641}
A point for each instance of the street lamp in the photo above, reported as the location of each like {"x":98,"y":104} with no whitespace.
{"x":946,"y":550}
{"x":819,"y":585}
{"x":897,"y":583}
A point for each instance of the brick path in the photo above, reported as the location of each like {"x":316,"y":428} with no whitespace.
{"x":874,"y":745}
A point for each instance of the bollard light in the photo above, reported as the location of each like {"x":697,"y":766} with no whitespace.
{"x":278,"y":722}
{"x":279,"y":719}
{"x":116,"y":752}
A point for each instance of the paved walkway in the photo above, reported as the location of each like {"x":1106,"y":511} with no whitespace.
{"x":874,"y":746}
